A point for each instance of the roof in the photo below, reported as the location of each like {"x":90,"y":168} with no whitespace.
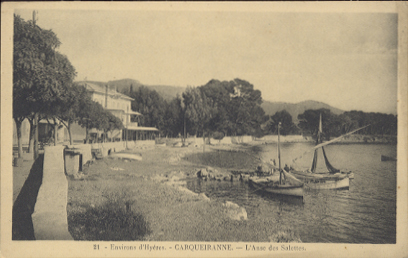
{"x":92,"y":87}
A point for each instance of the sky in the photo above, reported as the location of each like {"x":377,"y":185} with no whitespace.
{"x":347,"y":60}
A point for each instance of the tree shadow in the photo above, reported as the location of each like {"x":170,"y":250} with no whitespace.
{"x":23,"y":207}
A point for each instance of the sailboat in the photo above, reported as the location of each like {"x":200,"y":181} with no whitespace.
{"x":333,"y":178}
{"x":286,"y":184}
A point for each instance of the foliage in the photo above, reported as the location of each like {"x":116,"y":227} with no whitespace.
{"x":231,"y":107}
{"x":91,"y":115}
{"x":197,"y":109}
{"x":174,"y":117}
{"x":109,"y":222}
{"x":40,"y":73}
{"x":150,"y":104}
{"x":218,"y":135}
{"x":336,"y":125}
{"x":113,"y":122}
{"x":380,"y":124}
{"x":283,"y":117}
{"x":69,"y":107}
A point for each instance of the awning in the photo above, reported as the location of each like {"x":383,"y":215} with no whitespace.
{"x":133,"y":113}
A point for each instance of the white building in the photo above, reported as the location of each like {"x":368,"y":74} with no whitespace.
{"x":117,"y":103}
{"x":120,"y":105}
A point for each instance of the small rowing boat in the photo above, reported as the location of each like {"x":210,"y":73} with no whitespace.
{"x":282,"y":184}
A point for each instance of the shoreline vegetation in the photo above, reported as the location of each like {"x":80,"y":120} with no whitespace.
{"x":147,"y":200}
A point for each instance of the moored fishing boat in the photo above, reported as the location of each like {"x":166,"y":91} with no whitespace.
{"x":271,"y":184}
{"x":323,"y":181}
{"x":283,"y":184}
{"x":332,"y":179}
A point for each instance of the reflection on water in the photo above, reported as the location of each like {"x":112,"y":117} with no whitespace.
{"x":366,"y":213}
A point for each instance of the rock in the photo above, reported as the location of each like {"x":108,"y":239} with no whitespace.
{"x":211,"y":170}
{"x":235,"y":212}
{"x":202,"y":173}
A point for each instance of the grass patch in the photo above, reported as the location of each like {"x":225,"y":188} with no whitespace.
{"x":111,"y":221}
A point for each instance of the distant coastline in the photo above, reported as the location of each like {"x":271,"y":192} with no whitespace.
{"x":357,"y":138}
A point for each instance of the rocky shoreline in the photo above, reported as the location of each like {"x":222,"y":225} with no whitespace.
{"x":156,"y":188}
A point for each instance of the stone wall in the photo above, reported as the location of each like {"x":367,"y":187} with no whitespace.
{"x":50,"y":212}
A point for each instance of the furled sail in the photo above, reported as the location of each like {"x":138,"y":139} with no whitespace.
{"x":328,"y":165}
{"x":314,"y":163}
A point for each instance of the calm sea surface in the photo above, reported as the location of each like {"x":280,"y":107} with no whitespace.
{"x":366,"y":213}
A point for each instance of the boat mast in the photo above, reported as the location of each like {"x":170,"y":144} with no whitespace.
{"x":318,"y":140}
{"x":279,"y":158}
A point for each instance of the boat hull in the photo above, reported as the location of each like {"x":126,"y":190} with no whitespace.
{"x":324,"y":181}
{"x":341,"y":184}
{"x":287,"y":190}
{"x":125,"y":155}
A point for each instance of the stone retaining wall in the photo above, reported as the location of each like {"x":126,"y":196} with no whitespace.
{"x":50,"y":212}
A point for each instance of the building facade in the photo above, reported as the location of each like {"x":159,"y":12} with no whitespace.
{"x":119,"y":105}
{"x":115,"y":102}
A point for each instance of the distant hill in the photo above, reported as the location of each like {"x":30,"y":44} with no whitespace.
{"x":170,"y":92}
{"x":294,"y":109}
{"x":167,"y":92}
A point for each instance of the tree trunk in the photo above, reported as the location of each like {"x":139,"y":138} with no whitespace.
{"x":19,"y":142}
{"x":55,"y":132}
{"x":36,"y":154}
{"x":71,"y":142}
{"x":86,"y":134}
{"x":31,"y":137}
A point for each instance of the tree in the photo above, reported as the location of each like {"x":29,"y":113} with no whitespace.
{"x":112,"y":123}
{"x":20,"y":112}
{"x":309,"y":121}
{"x":91,"y":116}
{"x":174,"y":117}
{"x":197,"y":109}
{"x":283,"y":117}
{"x":244,"y":111}
{"x":218,"y":136}
{"x":234,"y":107}
{"x":68,"y":108}
{"x":39,"y":72}
{"x":150,"y":104}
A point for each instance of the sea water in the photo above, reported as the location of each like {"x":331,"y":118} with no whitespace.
{"x":366,"y":213}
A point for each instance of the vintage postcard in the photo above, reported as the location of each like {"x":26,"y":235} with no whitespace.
{"x":204,"y":129}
